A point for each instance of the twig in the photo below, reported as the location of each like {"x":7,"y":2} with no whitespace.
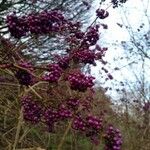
{"x":18,"y":129}
{"x":64,"y":136}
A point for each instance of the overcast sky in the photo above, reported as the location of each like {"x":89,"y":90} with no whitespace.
{"x":133,"y":11}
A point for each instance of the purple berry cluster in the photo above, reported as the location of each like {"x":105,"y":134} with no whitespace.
{"x":100,"y":52}
{"x":34,"y":113}
{"x":94,"y":122}
{"x":79,"y":34}
{"x":102,"y":14}
{"x":50,"y":116}
{"x":91,"y":37}
{"x":35,"y":23}
{"x":17,"y":26}
{"x":79,"y":81}
{"x":86,"y":39}
{"x":24,"y":77}
{"x":94,"y":126}
{"x":26,"y":64}
{"x":75,"y":34}
{"x":85,"y":56}
{"x":113,"y":139}
{"x":53,"y":74}
{"x":79,"y":124}
{"x":90,"y":126}
{"x":73,"y":27}
{"x":79,"y":50}
{"x":32,"y":110}
{"x":64,"y":112}
{"x":73,"y":103}
{"x":63,"y":62}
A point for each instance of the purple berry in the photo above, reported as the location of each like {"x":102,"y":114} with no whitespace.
{"x":101,"y":13}
{"x":113,"y":139}
{"x":32,"y":110}
{"x":24,"y":77}
{"x":54,"y":73}
{"x":79,"y":81}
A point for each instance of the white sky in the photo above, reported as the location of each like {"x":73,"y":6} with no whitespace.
{"x":135,"y":16}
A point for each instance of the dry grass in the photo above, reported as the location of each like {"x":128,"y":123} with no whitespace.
{"x":15,"y":134}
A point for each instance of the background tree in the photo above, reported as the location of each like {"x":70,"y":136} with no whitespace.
{"x":73,"y":10}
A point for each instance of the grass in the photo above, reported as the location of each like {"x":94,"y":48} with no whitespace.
{"x":15,"y":134}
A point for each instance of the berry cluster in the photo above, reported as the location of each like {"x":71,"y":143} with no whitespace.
{"x":63,"y":62}
{"x":100,"y":51}
{"x":79,"y":81}
{"x":113,"y":139}
{"x":32,"y":111}
{"x":54,"y":73}
{"x":85,"y":56}
{"x":25,"y":64}
{"x":94,"y":126}
{"x":79,"y":124}
{"x":94,"y":122}
{"x":24,"y":77}
{"x":90,"y":126}
{"x":75,"y":34}
{"x":73,"y":27}
{"x":64,"y":113}
{"x":102,"y":14}
{"x":50,"y":116}
{"x":79,"y":34}
{"x":17,"y":26}
{"x":35,"y":23}
{"x":73,"y":103}
{"x":79,"y":50}
{"x":91,"y":37}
